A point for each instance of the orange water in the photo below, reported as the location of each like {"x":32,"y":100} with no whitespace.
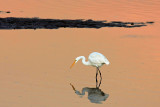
{"x":34,"y":64}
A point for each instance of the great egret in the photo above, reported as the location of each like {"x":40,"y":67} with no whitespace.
{"x":95,"y":59}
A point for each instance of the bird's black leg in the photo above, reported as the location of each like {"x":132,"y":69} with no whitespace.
{"x":100,"y":76}
{"x":96,"y":77}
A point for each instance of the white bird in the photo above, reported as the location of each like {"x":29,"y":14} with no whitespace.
{"x":95,"y":59}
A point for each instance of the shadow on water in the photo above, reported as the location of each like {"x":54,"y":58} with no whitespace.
{"x":95,"y":95}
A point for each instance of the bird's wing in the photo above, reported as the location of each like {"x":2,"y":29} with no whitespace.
{"x":97,"y":58}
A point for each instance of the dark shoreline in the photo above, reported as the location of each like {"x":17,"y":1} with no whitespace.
{"x":37,"y":23}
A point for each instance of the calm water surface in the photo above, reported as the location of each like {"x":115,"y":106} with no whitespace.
{"x":34,"y":64}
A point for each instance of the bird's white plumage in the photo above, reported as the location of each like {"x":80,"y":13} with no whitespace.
{"x":97,"y":59}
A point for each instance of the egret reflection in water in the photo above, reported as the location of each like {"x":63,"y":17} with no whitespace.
{"x":95,"y":95}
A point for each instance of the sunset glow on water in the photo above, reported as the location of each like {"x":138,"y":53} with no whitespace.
{"x":35,"y":64}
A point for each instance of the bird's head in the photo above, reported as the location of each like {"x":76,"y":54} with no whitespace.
{"x":75,"y":61}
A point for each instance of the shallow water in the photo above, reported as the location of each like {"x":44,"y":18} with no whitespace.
{"x":34,"y":64}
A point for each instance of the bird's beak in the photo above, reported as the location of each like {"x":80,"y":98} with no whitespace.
{"x":73,"y":64}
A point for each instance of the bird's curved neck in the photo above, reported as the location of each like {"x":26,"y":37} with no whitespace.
{"x":84,"y":60}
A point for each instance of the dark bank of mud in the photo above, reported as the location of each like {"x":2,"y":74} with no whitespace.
{"x":37,"y":23}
